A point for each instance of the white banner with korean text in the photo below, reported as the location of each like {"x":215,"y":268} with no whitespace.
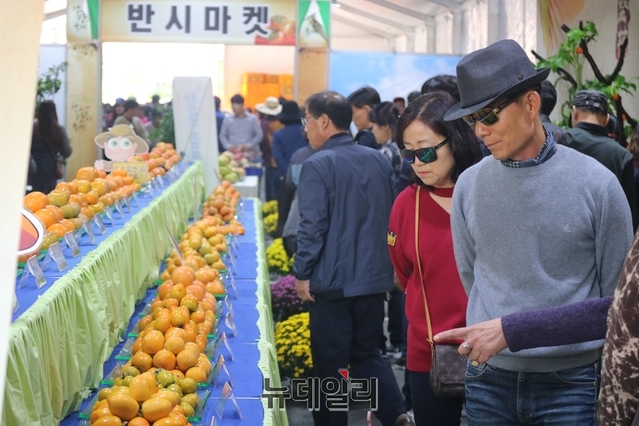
{"x":269,"y":22}
{"x":195,"y":125}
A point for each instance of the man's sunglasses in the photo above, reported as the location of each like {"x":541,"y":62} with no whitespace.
{"x":487,"y":116}
{"x":425,"y":155}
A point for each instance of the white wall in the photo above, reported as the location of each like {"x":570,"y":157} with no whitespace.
{"x":347,"y":37}
{"x":51,"y":55}
{"x":253,"y":59}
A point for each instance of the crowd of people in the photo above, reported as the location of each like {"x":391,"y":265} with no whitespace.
{"x":506,"y":235}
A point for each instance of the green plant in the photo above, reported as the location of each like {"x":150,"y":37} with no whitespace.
{"x":574,"y":53}
{"x":166,"y":130}
{"x":292,"y":340}
{"x":49,"y":83}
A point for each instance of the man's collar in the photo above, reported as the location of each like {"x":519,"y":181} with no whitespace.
{"x":337,"y":139}
{"x":595,"y":129}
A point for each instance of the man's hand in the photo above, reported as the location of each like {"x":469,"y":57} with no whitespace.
{"x":481,"y":341}
{"x":303,"y":289}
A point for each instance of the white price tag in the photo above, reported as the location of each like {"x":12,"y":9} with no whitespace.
{"x":229,"y":307}
{"x":227,"y":344}
{"x":227,"y":393}
{"x":228,"y":320}
{"x":220,"y":366}
{"x":72,"y":243}
{"x":87,"y":228}
{"x":36,"y":270}
{"x":118,"y":207}
{"x":109,"y":214}
{"x":97,"y":219}
{"x":233,"y":286}
{"x":56,"y":254}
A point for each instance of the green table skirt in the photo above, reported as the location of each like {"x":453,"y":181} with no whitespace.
{"x":58,"y":346}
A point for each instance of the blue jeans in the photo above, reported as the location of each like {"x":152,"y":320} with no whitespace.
{"x":498,"y":397}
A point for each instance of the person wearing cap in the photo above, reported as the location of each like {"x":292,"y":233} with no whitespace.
{"x":285,"y":142}
{"x":242,"y":130}
{"x":535,"y":225}
{"x":590,"y":136}
{"x":267,"y":112}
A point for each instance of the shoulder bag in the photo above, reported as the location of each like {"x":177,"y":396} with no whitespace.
{"x":448,"y":367}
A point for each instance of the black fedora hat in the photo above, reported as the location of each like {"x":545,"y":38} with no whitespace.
{"x":501,"y":69}
{"x":290,"y":112}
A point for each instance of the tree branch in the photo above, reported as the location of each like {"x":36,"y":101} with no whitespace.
{"x":591,"y":61}
{"x":622,"y":57}
{"x":561,"y":71}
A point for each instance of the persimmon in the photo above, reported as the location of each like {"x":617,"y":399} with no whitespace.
{"x":142,"y":361}
{"x":46,"y":217}
{"x":183,"y":275}
{"x":174,"y":344}
{"x":164,"y":359}
{"x":197,"y":374}
{"x":35,"y":201}
{"x":153,"y":342}
{"x":186,"y":359}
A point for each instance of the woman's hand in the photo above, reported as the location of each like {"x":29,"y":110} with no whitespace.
{"x":481,"y":341}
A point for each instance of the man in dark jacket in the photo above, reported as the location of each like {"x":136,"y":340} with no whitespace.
{"x":362,"y":101}
{"x":590,"y":136}
{"x":342,"y":265}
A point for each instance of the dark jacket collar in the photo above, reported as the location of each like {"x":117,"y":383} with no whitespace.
{"x":337,"y":140}
{"x":594,"y":129}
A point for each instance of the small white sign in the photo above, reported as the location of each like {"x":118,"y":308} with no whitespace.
{"x":109,"y":214}
{"x":97,"y":219}
{"x":228,"y":320}
{"x":118,"y":207}
{"x":227,"y":344}
{"x":229,"y":307}
{"x":87,"y":228}
{"x":36,"y":270}
{"x":56,"y":254}
{"x":72,"y":243}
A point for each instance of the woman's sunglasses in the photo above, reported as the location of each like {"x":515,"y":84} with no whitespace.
{"x":487,"y":116}
{"x":425,"y":155}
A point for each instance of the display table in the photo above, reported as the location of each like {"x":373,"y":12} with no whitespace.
{"x":253,"y":348}
{"x":65,"y":331}
{"x":249,"y":187}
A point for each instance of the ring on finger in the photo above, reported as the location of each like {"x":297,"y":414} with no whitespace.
{"x":466,"y":346}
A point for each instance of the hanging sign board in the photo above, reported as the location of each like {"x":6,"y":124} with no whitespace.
{"x":268,"y":22}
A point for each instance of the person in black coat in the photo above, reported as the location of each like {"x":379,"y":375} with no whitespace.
{"x":590,"y":136}
{"x":49,"y":141}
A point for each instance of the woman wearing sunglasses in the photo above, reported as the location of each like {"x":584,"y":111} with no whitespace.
{"x":438,"y":152}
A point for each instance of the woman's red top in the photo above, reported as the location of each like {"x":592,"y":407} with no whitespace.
{"x":447,"y":299}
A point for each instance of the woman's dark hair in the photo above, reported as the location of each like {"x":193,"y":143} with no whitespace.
{"x":364,"y":96}
{"x":445,"y":83}
{"x":47,"y":128}
{"x":385,"y":114}
{"x":334,"y":105}
{"x":430,"y":110}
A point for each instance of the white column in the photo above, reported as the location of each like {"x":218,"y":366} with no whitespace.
{"x":431,"y":38}
{"x":420,"y":39}
{"x":494,"y":11}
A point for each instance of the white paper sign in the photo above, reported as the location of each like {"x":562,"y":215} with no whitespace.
{"x":72,"y":243}
{"x":228,"y":320}
{"x":56,"y":254}
{"x":229,"y":307}
{"x":87,"y":228}
{"x":97,"y":219}
{"x":36,"y":270}
{"x":118,"y":207}
{"x":109,"y":214}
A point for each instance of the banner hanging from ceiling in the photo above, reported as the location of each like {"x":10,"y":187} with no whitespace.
{"x":270,"y":22}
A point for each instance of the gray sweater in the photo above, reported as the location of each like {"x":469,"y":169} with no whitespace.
{"x":538,"y":237}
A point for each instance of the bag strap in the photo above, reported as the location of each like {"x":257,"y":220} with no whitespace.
{"x":421,"y":275}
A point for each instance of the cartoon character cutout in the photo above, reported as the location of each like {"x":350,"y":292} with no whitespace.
{"x":31,"y":233}
{"x":120,"y":143}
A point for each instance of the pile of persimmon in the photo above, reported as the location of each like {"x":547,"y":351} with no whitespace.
{"x":71,"y":204}
{"x":161,"y":158}
{"x":155,"y":397}
{"x":222,"y":204}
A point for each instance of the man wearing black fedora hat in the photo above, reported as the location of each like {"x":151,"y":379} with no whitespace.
{"x":534,"y":226}
{"x":590,"y":136}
